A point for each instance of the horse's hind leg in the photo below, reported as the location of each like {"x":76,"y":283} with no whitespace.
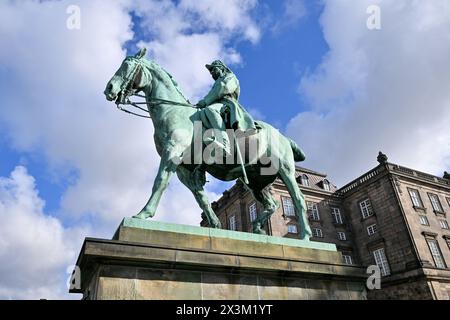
{"x":270,"y":206}
{"x":199,"y":193}
{"x":287,"y":174}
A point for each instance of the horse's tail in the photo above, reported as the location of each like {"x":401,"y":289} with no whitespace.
{"x":299,"y":155}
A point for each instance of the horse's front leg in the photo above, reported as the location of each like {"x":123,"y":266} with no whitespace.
{"x":167,"y":167}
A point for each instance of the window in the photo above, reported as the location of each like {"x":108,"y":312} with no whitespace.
{"x":448,"y":201}
{"x":423,"y":220}
{"x":347,"y":259}
{"x":337,"y":217}
{"x":415,"y":198}
{"x":288,"y":206}
{"x":372,"y":229}
{"x":366,"y":208}
{"x":252,"y":212}
{"x":232,"y":223}
{"x":342,"y":236}
{"x":313,"y":210}
{"x":444,"y":224}
{"x":447,"y":239}
{"x":292,"y":228}
{"x":305,"y":180}
{"x":317,"y":232}
{"x":381,"y":261}
{"x":435,"y":202}
{"x":326,"y":185}
{"x":436,"y":253}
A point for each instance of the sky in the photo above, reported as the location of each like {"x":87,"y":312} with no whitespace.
{"x":72,"y":166}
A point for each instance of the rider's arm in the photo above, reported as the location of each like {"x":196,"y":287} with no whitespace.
{"x":222,"y":87}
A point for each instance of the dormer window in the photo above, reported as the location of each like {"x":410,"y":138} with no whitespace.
{"x":305,"y":180}
{"x":326,"y":185}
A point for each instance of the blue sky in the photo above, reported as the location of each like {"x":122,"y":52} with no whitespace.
{"x":274,"y":65}
{"x":72,"y":166}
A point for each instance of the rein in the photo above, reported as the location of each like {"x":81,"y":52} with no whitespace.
{"x":153,"y":102}
{"x":129,"y":81}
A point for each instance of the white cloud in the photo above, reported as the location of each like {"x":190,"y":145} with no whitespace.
{"x":61,"y":110}
{"x":196,"y":50}
{"x":35,"y":249}
{"x":187,"y":35}
{"x":230,"y":18}
{"x":293,"y":12}
{"x":52,"y":81}
{"x":379,"y":90}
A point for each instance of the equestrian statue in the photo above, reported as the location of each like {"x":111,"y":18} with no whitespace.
{"x":215,"y":136}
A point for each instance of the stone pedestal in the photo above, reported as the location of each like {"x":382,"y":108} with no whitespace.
{"x":154,"y":260}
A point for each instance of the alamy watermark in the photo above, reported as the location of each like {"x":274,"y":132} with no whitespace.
{"x":74,"y":280}
{"x":374,"y":20}
{"x":73,"y":21}
{"x":259,"y":147}
{"x":374,"y":280}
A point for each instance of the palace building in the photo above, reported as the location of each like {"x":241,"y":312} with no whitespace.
{"x":393,"y":217}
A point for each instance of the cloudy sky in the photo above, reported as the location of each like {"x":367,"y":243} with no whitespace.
{"x":72,"y":166}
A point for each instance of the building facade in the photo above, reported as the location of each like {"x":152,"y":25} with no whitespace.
{"x":393,"y":217}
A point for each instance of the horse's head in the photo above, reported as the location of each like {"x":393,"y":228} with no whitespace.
{"x":130,"y":78}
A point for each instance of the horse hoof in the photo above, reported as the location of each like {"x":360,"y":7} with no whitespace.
{"x":142,"y":215}
{"x":305,"y":237}
{"x":217,"y":225}
{"x":259,"y":231}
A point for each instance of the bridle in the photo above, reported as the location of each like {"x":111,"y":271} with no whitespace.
{"x":127,"y":91}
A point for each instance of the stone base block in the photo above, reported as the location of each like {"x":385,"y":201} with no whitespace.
{"x":153,"y":260}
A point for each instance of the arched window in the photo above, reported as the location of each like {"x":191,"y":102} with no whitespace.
{"x":326,"y":185}
{"x":305,"y":180}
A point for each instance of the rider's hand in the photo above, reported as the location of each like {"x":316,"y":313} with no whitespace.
{"x":201,"y":104}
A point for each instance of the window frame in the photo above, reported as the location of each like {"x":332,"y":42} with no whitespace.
{"x":342,"y":238}
{"x":419,"y":198}
{"x":304,"y":178}
{"x":445,"y":222}
{"x":314,"y":233}
{"x":426,"y":219}
{"x":283,"y":199}
{"x":234,"y":223}
{"x":430,"y":196}
{"x":250,"y":211}
{"x":438,"y":251}
{"x":335,"y":211}
{"x":347,"y":257}
{"x":366,"y":207}
{"x":314,"y":209}
{"x":374,"y":229}
{"x":294,"y":226}
{"x":383,"y":262}
{"x":326,"y":185}
{"x":447,"y":240}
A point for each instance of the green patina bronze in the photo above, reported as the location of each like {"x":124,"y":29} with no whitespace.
{"x":219,"y":233}
{"x":175,"y":119}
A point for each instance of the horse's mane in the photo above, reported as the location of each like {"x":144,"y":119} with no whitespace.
{"x":161,"y":71}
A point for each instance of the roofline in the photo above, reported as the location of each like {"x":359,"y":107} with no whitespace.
{"x":310,"y":171}
{"x":356,"y":179}
{"x":387,"y":166}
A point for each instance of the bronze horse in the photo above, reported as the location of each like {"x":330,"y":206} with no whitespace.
{"x":174,"y":121}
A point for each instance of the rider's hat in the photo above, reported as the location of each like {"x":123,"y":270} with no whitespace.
{"x":217,"y":63}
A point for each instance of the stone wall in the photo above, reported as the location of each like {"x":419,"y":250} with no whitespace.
{"x":154,"y":260}
{"x":392,"y":233}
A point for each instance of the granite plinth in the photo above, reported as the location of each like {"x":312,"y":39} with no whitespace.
{"x":155,"y":260}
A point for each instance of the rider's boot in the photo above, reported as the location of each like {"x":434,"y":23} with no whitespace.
{"x":221,"y":139}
